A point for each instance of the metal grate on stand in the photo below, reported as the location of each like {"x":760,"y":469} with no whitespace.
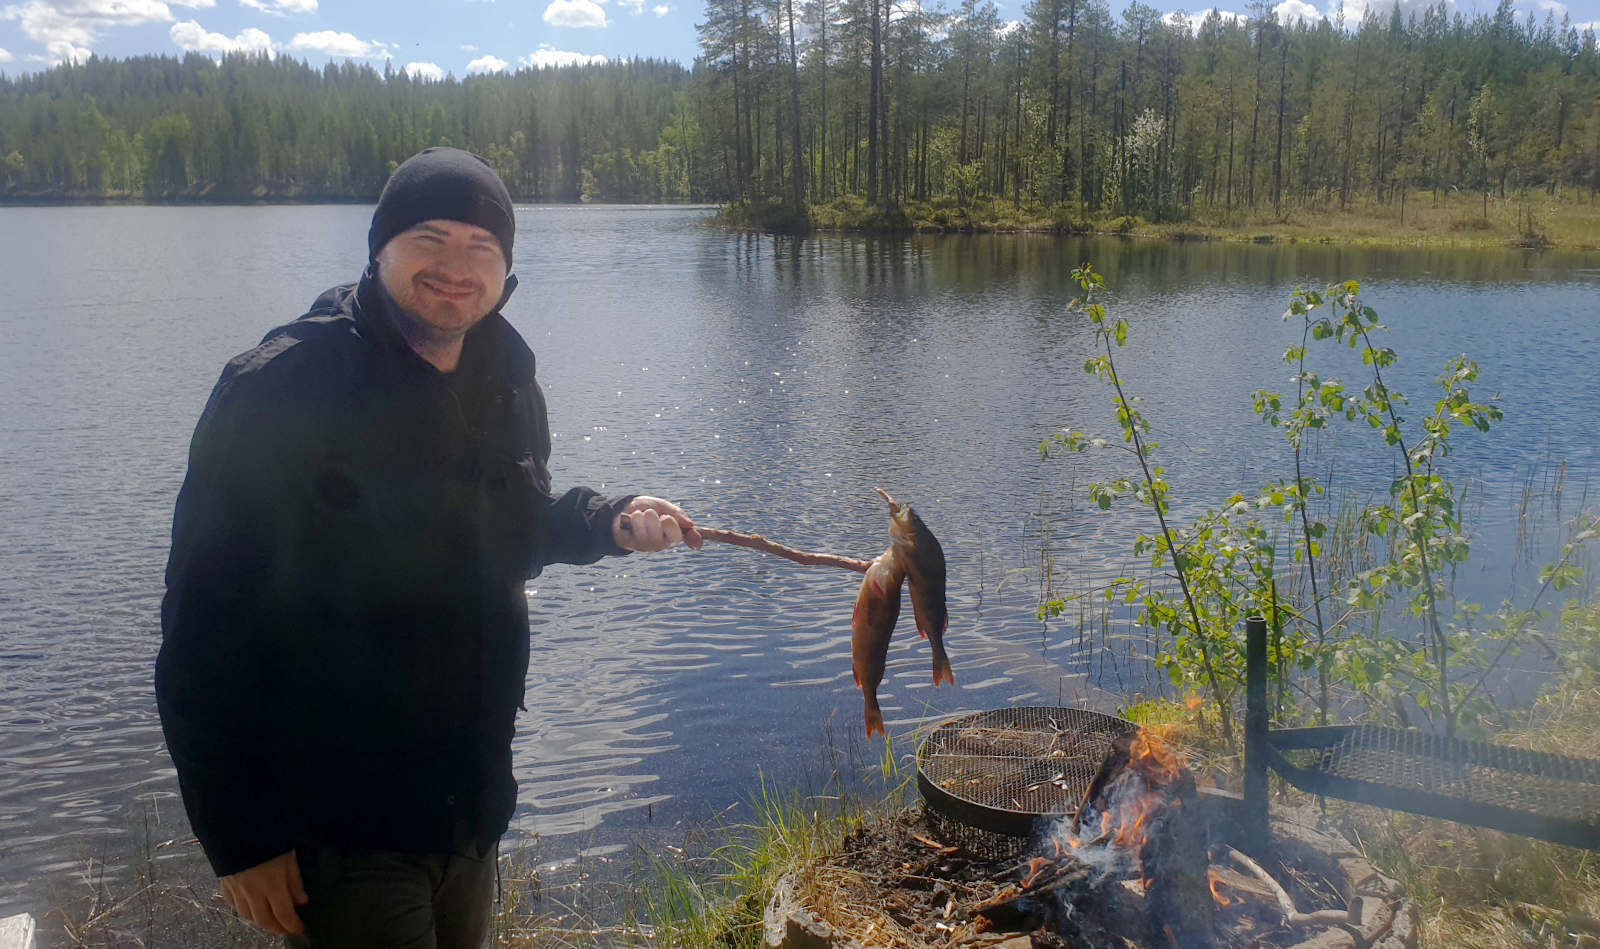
{"x":1005,"y":768}
{"x":1533,"y":793}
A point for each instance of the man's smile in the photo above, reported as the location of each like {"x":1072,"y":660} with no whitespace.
{"x":445,"y":288}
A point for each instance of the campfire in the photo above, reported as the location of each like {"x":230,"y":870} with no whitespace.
{"x":1144,"y":860}
{"x":1131,"y":861}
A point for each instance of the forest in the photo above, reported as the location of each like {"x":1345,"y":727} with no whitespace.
{"x":801,"y":102}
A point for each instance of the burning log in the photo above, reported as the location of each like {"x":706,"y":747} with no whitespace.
{"x":1147,"y":794}
{"x":1145,"y":858}
{"x":1070,"y":899}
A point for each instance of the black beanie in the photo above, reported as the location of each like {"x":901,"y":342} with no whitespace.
{"x":448,"y":184}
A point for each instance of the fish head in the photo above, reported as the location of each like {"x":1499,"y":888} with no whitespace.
{"x":904,"y":525}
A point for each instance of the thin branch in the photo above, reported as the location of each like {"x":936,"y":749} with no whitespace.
{"x":1172,"y":546}
{"x":1324,"y":701}
{"x":1291,"y":914}
{"x":1512,"y":640}
{"x":1441,"y":649}
{"x":757,"y":542}
{"x":1285,"y":904}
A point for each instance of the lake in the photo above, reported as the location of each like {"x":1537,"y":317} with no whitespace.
{"x":767,"y":385}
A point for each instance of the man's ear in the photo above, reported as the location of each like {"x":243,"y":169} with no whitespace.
{"x":511,"y":285}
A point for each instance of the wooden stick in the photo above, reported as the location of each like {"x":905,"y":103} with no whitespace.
{"x":1284,"y":902}
{"x":1117,"y":757}
{"x":1291,"y":913}
{"x":757,"y":542}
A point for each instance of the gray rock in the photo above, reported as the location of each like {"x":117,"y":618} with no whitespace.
{"x":16,"y":932}
{"x":789,"y":925}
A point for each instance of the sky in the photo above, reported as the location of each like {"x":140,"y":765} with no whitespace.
{"x":434,"y":38}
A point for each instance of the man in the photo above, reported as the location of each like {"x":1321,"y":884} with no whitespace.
{"x":345,"y":632}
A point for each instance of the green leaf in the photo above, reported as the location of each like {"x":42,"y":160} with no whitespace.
{"x":1561,"y":575}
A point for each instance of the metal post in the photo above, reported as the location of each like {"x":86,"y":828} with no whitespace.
{"x":1256,"y":723}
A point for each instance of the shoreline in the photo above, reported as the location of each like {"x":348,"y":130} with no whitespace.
{"x":1458,"y":224}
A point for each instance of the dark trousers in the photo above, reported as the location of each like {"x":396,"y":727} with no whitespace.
{"x":377,"y":899}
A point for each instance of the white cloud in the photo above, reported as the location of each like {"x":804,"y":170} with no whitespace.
{"x":67,"y":28}
{"x":637,"y":6}
{"x":44,"y":24}
{"x":1192,"y":21}
{"x":1354,"y":10}
{"x":191,"y":37}
{"x":330,"y":43}
{"x":544,"y":56}
{"x":575,"y":13}
{"x":1559,"y":9}
{"x":487,"y":63}
{"x":468,"y":48}
{"x":280,"y":7}
{"x":1291,"y":12}
{"x":1587,"y":25}
{"x":62,"y":51}
{"x":428,"y":72}
{"x":5,"y":55}
{"x":112,"y":11}
{"x":661,"y":9}
{"x":196,"y":4}
{"x":1007,"y":27}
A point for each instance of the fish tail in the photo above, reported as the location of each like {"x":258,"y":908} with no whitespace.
{"x":874,"y":716}
{"x":941,"y":669}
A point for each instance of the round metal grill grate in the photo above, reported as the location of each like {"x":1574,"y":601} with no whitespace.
{"x":1003,"y":769}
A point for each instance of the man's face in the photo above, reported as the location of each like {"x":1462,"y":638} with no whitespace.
{"x":445,"y":275}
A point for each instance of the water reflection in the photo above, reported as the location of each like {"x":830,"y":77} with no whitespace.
{"x":765,"y":383}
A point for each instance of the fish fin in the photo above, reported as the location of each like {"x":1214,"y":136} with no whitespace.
{"x":922,"y":632}
{"x":874,"y":722}
{"x":942,"y":671}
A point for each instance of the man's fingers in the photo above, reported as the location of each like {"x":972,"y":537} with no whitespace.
{"x":646,"y":527}
{"x":256,"y":911}
{"x":667,"y":507}
{"x":265,"y":895}
{"x":281,"y":906}
{"x":297,"y":887}
{"x":671,"y":533}
{"x":651,"y":524}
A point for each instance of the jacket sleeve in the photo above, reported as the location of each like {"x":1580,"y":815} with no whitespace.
{"x":575,"y":527}
{"x":212,"y":681}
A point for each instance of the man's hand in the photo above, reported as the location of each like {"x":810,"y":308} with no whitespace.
{"x":267,"y":893}
{"x":649,"y":524}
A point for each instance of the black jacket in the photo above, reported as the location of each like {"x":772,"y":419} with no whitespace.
{"x":345,"y":632}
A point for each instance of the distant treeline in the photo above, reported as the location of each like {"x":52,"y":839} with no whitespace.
{"x":803,"y":101}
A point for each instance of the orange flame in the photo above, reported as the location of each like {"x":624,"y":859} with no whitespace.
{"x":1155,"y":757}
{"x":1216,"y":892}
{"x":1035,"y":866}
{"x":1153,"y":765}
{"x":1135,"y":796}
